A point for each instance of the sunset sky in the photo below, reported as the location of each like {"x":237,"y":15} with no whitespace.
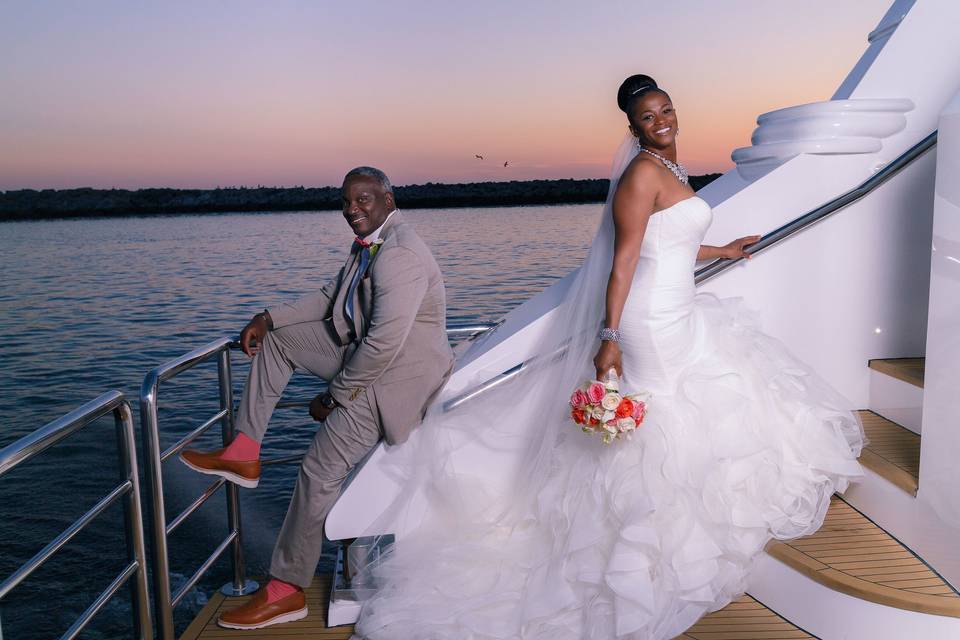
{"x":206,"y":94}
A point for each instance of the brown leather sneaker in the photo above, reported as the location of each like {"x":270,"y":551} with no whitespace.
{"x":256,"y":613}
{"x":245,"y":473}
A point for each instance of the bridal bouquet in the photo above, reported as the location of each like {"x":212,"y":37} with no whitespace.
{"x":598,"y":407}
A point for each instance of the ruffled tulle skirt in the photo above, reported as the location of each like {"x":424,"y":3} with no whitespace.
{"x":640,"y":538}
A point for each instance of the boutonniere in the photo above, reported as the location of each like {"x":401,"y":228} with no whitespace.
{"x":375,"y":246}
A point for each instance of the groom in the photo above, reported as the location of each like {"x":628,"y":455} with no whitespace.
{"x":377,"y":334}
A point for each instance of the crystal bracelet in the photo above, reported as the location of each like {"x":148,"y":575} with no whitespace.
{"x":613,"y":335}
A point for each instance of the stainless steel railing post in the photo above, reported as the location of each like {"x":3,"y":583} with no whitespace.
{"x":240,"y":585}
{"x":128,"y":491}
{"x":153,"y":475}
{"x":133,"y":520}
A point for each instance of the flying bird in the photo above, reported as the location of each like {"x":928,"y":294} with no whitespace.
{"x":477,"y":155}
{"x":506,"y":163}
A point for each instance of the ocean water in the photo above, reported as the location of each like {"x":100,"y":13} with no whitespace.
{"x":92,"y":305}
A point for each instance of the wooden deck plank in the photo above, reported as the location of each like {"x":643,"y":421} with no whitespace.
{"x":892,"y":451}
{"x":744,"y":619}
{"x":879,"y":569}
{"x":204,"y":626}
{"x":906,"y":369}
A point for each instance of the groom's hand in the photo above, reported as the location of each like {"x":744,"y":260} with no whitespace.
{"x":251,"y":337}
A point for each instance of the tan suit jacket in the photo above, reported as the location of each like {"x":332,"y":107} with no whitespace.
{"x":396,"y":345}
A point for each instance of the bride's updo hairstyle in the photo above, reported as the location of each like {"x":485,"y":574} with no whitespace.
{"x":632,"y":89}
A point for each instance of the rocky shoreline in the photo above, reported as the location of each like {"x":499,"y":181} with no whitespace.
{"x":30,"y":204}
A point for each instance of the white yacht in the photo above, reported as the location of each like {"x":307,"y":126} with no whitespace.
{"x":858,"y":272}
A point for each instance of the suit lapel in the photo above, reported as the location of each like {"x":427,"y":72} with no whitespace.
{"x":340,"y":320}
{"x":345,"y":327}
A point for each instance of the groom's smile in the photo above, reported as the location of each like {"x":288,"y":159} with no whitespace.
{"x":366,"y":204}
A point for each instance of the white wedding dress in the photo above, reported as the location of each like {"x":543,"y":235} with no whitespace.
{"x":571,"y":539}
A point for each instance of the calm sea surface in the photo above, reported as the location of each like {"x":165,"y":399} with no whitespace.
{"x":92,"y":305}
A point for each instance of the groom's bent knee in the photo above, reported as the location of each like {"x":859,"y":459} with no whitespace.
{"x":345,"y":438}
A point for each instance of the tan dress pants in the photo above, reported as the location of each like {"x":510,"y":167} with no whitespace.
{"x":341,"y":442}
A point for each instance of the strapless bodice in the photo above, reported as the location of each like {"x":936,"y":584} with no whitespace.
{"x":669,"y":250}
{"x":659,"y":327}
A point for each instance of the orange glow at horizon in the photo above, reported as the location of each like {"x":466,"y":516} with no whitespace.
{"x":274,"y":95}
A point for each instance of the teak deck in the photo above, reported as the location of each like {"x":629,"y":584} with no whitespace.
{"x":906,"y":369}
{"x":892,"y":451}
{"x":743,"y":619}
{"x":204,"y":626}
{"x":852,"y":555}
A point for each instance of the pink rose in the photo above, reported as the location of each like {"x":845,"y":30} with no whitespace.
{"x":639,"y":408}
{"x":595,"y":392}
{"x":579,"y":399}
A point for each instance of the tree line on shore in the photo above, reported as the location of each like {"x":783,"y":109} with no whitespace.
{"x":30,"y":204}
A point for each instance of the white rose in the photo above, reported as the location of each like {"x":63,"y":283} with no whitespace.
{"x":598,"y":413}
{"x":626,"y":424}
{"x":612,"y":428}
{"x":607,"y":416}
{"x":611,"y":401}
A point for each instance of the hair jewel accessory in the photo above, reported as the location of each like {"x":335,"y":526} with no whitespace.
{"x":643,"y":88}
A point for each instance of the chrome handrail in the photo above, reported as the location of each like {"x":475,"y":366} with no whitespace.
{"x":783,"y":232}
{"x":720,"y":265}
{"x":47,"y":436}
{"x":164,"y":600}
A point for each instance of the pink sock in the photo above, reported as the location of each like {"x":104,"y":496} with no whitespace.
{"x":242,"y":449}
{"x":278,"y":590}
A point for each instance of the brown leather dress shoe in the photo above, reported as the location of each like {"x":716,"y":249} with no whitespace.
{"x":245,"y":473}
{"x":256,"y":613}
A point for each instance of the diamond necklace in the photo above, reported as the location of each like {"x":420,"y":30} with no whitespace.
{"x":676,"y":168}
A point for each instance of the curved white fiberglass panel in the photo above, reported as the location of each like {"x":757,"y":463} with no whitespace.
{"x":831,"y":127}
{"x":940,"y":446}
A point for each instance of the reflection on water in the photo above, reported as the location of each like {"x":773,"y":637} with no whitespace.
{"x":92,"y":305}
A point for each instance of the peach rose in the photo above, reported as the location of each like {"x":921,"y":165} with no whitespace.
{"x":578,"y":415}
{"x":595,"y":392}
{"x":625,"y":408}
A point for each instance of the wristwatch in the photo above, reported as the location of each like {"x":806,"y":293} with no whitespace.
{"x":328,"y":401}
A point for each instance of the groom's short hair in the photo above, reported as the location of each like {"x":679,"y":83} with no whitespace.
{"x":371,"y":172}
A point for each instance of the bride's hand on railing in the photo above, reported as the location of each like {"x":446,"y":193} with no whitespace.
{"x":737,"y":248}
{"x":608,"y":357}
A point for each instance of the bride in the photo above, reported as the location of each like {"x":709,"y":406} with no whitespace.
{"x":522,"y":526}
